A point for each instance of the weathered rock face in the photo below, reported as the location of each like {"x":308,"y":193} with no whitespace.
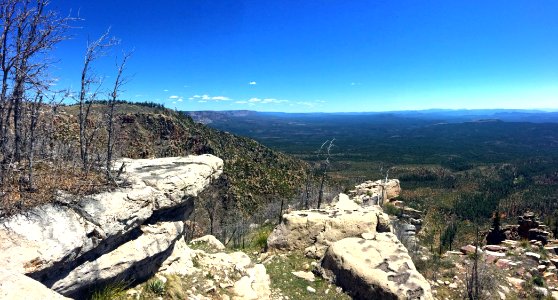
{"x":58,"y":243}
{"x":234,"y":272}
{"x":16,"y":286}
{"x":314,"y":230}
{"x":528,"y":227}
{"x":378,"y":268}
{"x":134,"y":260}
{"x":373,"y":192}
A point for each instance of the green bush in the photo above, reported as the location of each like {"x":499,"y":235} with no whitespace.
{"x":538,"y":280}
{"x":391,"y":209}
{"x":260,"y":240}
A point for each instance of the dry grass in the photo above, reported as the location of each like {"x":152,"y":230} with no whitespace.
{"x":48,"y":179}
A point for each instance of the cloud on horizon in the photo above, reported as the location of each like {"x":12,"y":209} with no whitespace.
{"x":206,"y":98}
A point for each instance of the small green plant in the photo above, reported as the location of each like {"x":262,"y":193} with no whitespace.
{"x":195,"y":262}
{"x":543,"y":252}
{"x":538,"y":280}
{"x":156,"y":286}
{"x":525,"y":244}
{"x":391,"y":209}
{"x":114,"y":291}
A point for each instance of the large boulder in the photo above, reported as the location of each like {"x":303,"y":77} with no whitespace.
{"x":314,"y":230}
{"x":377,"y":268}
{"x":16,"y":286}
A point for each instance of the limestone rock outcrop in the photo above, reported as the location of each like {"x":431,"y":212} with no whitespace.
{"x":374,"y":192}
{"x":210,"y":241}
{"x":58,"y":243}
{"x":315,"y":229}
{"x":378,"y":268}
{"x":528,"y":227}
{"x":358,"y":249}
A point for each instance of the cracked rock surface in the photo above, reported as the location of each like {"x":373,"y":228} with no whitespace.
{"x":378,"y":268}
{"x":314,"y":230}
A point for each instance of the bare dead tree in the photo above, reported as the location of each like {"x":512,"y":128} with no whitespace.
{"x":37,"y":32}
{"x":111,"y":103}
{"x":307,"y":191}
{"x":28,"y":34}
{"x":7,"y":11}
{"x":325,"y":153}
{"x":89,"y":89}
{"x":384,"y":171}
{"x":34,"y":111}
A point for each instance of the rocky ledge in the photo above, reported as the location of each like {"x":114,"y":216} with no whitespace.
{"x":77,"y":243}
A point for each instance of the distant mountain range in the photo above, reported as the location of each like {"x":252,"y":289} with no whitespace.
{"x":440,"y":115}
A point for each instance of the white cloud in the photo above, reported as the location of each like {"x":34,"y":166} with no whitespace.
{"x":309,"y":104}
{"x":252,"y":83}
{"x":207,"y":97}
{"x":272,"y":100}
{"x":255,"y":100}
{"x":174,"y":97}
{"x":180,"y":100}
{"x":202,"y":101}
{"x":165,"y":90}
{"x":220,"y":98}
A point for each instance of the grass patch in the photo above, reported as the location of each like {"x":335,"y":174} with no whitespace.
{"x":114,"y":291}
{"x":285,"y":283}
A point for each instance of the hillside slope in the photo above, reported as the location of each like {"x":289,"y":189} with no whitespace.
{"x":255,"y":173}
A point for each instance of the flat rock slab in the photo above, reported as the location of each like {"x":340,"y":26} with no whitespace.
{"x":15,"y":286}
{"x":374,"y":269}
{"x":309,"y":276}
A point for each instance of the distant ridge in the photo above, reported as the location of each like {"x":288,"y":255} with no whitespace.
{"x":442,"y":115}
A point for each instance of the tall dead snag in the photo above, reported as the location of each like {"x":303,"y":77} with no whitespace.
{"x":34,"y":116}
{"x":325,"y":153}
{"x":111,"y":103}
{"x":7,"y":12}
{"x":89,"y":89}
{"x":37,"y":32}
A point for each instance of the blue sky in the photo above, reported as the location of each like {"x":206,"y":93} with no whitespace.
{"x":328,"y":55}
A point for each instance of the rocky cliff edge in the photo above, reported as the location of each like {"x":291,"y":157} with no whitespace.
{"x":77,"y":243}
